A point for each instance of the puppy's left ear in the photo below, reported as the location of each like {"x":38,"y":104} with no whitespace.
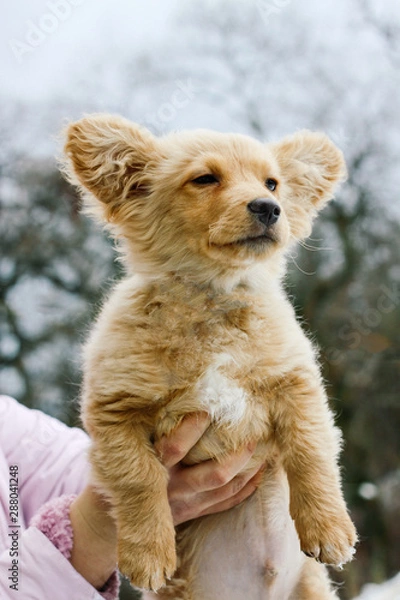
{"x":312,"y":167}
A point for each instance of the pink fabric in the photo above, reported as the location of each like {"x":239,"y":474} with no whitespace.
{"x":111,"y":589}
{"x":53,"y":520}
{"x":51,"y":460}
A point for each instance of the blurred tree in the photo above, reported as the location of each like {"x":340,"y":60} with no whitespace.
{"x":54,"y":267}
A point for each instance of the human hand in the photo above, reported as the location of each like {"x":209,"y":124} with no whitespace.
{"x":193,"y":491}
{"x":208,"y":487}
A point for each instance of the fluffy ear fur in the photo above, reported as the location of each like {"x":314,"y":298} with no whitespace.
{"x":312,"y":167}
{"x":109,"y":157}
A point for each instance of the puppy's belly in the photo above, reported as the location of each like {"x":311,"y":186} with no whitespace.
{"x":251,"y":551}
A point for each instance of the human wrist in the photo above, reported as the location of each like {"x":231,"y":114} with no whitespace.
{"x":94,"y":551}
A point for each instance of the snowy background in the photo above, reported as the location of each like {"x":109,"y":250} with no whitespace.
{"x":262,"y":67}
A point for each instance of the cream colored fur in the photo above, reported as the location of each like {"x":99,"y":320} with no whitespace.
{"x":201,"y":323}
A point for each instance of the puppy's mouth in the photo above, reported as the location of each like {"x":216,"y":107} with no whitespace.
{"x":254,"y":242}
{"x":257,"y":239}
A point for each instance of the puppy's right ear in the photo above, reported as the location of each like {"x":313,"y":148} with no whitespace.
{"x":109,"y":157}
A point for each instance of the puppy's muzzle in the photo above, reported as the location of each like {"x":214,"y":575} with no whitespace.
{"x":265,"y":210}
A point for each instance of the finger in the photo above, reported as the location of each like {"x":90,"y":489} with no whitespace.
{"x":173,"y":448}
{"x":210,"y":475}
{"x":245,"y":492}
{"x":186,"y":505}
{"x":213,"y":502}
{"x":229,"y":490}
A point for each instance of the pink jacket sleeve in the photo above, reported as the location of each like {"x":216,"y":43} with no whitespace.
{"x":51,"y":460}
{"x":51,"y":457}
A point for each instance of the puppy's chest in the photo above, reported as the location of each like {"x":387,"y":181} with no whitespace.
{"x":190,"y":332}
{"x":217,"y":352}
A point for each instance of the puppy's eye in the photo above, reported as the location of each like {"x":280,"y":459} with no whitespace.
{"x":208,"y":179}
{"x":271,"y":184}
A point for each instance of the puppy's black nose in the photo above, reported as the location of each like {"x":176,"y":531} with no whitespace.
{"x":267,"y":211}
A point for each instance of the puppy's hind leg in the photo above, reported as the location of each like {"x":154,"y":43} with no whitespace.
{"x":314,"y":583}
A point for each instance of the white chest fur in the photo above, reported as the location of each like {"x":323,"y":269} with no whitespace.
{"x":220,"y":396}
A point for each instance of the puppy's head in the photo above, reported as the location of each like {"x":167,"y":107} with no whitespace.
{"x":200,"y":199}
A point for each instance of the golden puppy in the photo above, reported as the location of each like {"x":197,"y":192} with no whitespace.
{"x":204,"y":221}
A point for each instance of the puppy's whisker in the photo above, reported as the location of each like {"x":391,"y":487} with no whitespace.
{"x":311,"y":248}
{"x":300,"y":269}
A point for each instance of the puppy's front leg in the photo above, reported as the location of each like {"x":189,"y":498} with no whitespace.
{"x":310,"y":445}
{"x":124,"y":463}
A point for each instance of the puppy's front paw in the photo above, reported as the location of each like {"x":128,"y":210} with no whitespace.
{"x":149,"y":564}
{"x":330,"y":541}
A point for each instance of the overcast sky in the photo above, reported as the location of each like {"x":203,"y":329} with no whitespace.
{"x":63,"y":52}
{"x":43,"y":41}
